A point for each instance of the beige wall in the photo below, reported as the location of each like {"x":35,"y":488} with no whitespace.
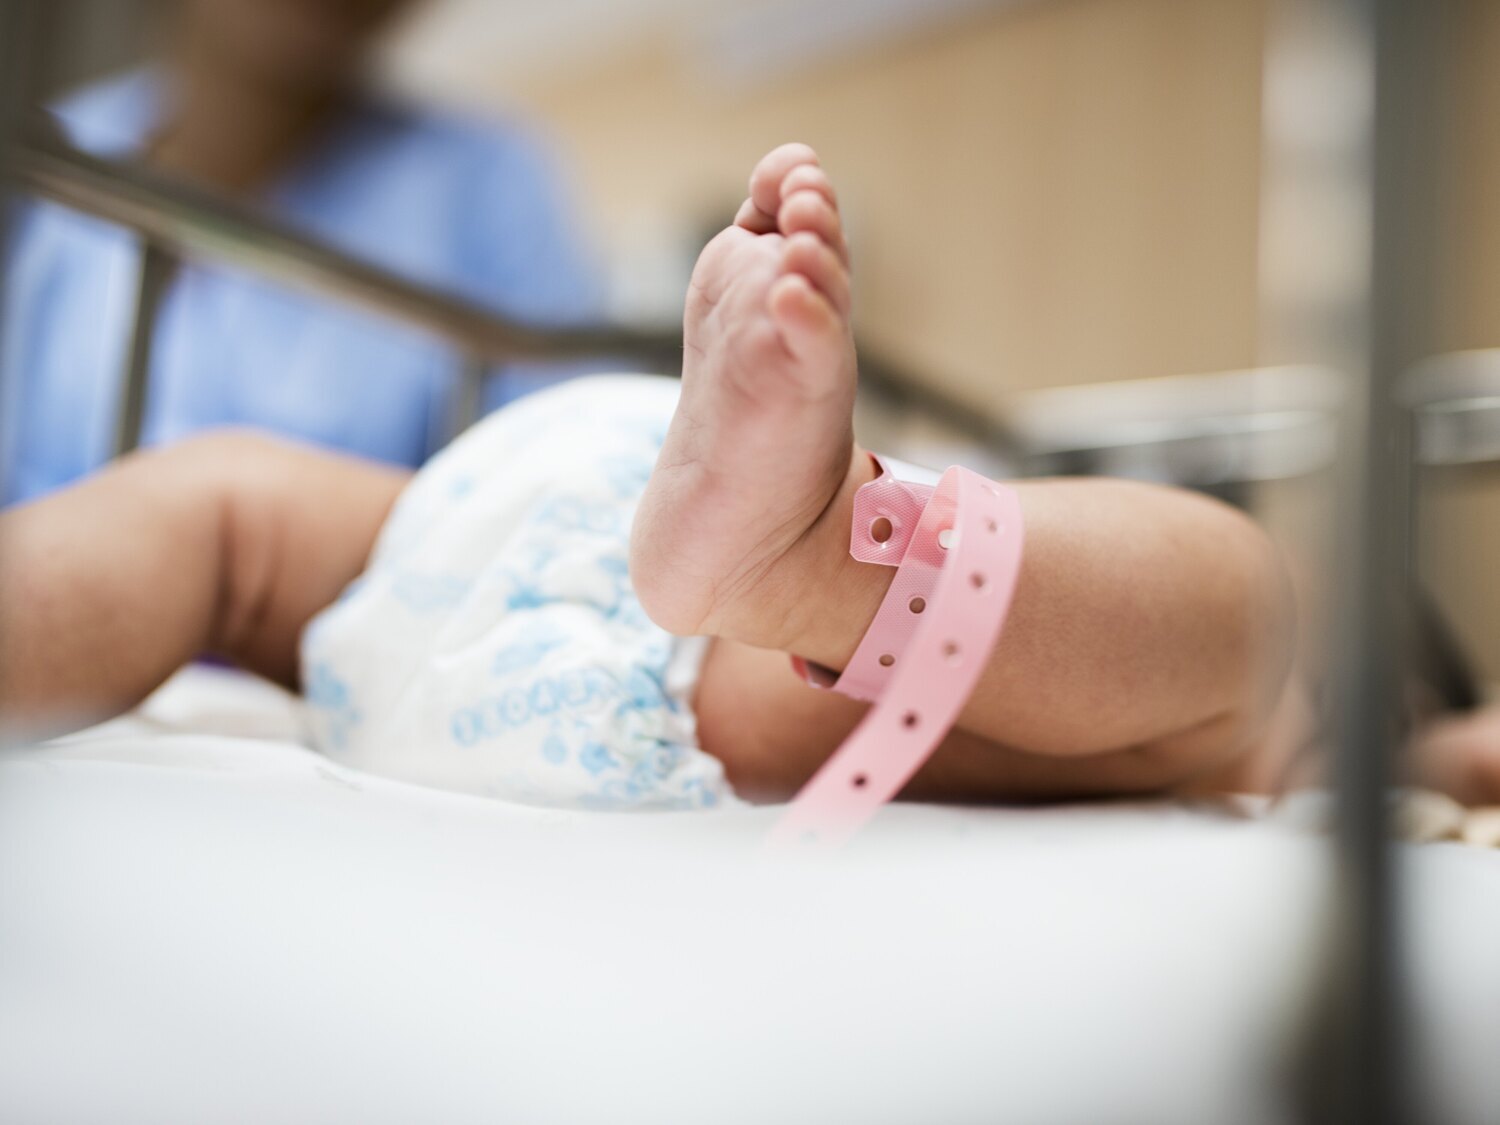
{"x":1043,"y":194}
{"x":1460,"y":523}
{"x":1473,"y":306}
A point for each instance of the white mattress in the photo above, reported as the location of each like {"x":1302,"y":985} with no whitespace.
{"x":202,"y":921}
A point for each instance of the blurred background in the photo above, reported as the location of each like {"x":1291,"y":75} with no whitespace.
{"x":1040,"y":195}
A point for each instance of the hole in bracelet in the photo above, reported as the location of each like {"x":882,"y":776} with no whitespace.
{"x":976,"y":580}
{"x":886,"y":660}
{"x":859,"y":781}
{"x":991,"y":526}
{"x":951,"y":651}
{"x":881,"y":530}
{"x":917,"y":605}
{"x":909,"y":719}
{"x":945,"y":538}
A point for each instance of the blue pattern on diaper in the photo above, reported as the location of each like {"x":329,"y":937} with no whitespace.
{"x":525,"y":596}
{"x":581,"y":691}
{"x":525,"y":654}
{"x":596,"y":758}
{"x":496,"y":637}
{"x":331,"y":696}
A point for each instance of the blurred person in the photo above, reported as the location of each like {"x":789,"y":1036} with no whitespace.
{"x":267,"y":101}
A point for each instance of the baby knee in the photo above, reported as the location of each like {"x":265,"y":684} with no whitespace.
{"x":239,"y":478}
{"x":225,"y":449}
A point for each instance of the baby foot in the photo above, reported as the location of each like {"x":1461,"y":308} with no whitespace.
{"x":762,"y":440}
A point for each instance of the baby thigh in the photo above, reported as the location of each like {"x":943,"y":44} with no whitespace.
{"x":772,"y":732}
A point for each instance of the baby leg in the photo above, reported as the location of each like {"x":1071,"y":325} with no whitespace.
{"x":772,"y":732}
{"x":1460,"y":755}
{"x":1147,"y":622}
{"x":226,"y":543}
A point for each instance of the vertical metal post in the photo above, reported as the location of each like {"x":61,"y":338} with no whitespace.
{"x":1359,"y":1065}
{"x":22,"y":60}
{"x":469,"y":399}
{"x":155,"y":273}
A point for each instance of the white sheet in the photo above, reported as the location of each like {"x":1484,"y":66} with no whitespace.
{"x":226,"y":927}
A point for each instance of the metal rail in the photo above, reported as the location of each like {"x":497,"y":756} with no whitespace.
{"x":1199,"y":431}
{"x":1365,"y":1063}
{"x":176,"y":221}
{"x":155,"y":271}
{"x":185,"y":222}
{"x":1455,"y":401}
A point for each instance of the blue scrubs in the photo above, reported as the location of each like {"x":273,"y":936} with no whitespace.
{"x":471,"y":209}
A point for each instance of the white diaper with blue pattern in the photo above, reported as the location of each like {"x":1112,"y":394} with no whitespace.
{"x":494,"y":644}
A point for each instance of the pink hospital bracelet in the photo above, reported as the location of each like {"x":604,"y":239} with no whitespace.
{"x":886,"y":513}
{"x":957,"y":562}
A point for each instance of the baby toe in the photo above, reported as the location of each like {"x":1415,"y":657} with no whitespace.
{"x":809,"y":177}
{"x":810,"y":326}
{"x":752,"y":218}
{"x":809,"y":212}
{"x":774,"y":167}
{"x":806,"y":254}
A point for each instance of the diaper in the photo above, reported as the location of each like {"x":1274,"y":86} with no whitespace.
{"x":494,"y":645}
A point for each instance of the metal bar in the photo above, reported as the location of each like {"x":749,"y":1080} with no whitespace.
{"x":469,"y":396}
{"x":156,"y":269}
{"x":22,"y":27}
{"x":1370,"y":1078}
{"x":1455,"y":402}
{"x":195,"y":224}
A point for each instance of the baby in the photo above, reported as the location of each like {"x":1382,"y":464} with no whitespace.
{"x":589,"y":599}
